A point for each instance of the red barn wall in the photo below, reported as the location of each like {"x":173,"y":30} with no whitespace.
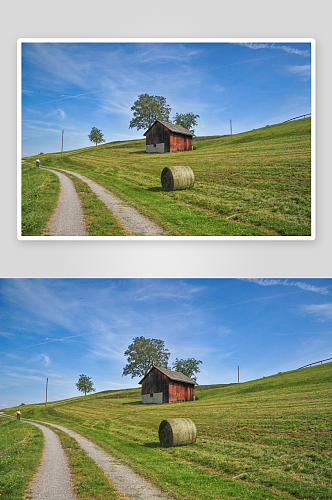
{"x":179,"y":391}
{"x":180,"y":142}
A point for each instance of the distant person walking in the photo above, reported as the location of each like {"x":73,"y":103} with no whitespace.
{"x":37,"y":162}
{"x":18,"y":413}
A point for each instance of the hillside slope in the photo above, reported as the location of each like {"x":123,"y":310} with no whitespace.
{"x":264,"y":439}
{"x":254,"y":183}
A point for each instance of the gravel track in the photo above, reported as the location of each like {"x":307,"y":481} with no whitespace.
{"x":122,"y":476}
{"x":68,"y":218}
{"x":129,"y":217}
{"x":53,"y":480}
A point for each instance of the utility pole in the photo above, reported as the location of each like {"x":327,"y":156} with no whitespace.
{"x":46,"y":392}
{"x":238,"y":374}
{"x":231,"y":126}
{"x":62,"y":143}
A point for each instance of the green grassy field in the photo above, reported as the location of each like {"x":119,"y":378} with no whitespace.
{"x":21,"y":448}
{"x":256,"y":183}
{"x":265,"y":439}
{"x":40,"y":191}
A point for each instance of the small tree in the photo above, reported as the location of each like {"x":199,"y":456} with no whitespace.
{"x":96,"y":135}
{"x":187,"y":120}
{"x":147,"y":109}
{"x":85,"y":384}
{"x":143,"y":354}
{"x":188,"y":367}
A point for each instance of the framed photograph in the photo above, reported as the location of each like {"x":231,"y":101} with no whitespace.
{"x":166,"y":139}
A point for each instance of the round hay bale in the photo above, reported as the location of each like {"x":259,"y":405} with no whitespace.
{"x":177,"y":432}
{"x":176,"y":178}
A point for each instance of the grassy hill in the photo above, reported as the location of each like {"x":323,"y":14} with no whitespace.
{"x":255,"y":183}
{"x":264,"y":439}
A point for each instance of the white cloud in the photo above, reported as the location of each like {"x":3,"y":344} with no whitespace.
{"x":305,"y":53}
{"x":224,"y":330}
{"x":6,"y":334}
{"x":301,"y":71}
{"x":116,"y":107}
{"x":101,"y":351}
{"x":172,"y":52}
{"x":286,"y":48}
{"x":61,"y":64}
{"x":286,"y":282}
{"x":322,"y":311}
{"x":218,"y":88}
{"x":167,"y":290}
{"x":62,"y":114}
{"x":38,"y":360}
{"x":257,"y":45}
{"x":46,"y":359}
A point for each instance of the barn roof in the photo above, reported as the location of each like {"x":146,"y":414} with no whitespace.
{"x":178,"y":376}
{"x":172,"y":127}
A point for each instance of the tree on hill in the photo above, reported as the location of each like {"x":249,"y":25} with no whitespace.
{"x":188,"y":367}
{"x":143,"y":354}
{"x":187,"y":120}
{"x":96,"y":135}
{"x":147,"y":109}
{"x":85,"y":384}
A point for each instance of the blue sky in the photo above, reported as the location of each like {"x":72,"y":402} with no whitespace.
{"x":77,"y":86}
{"x":61,"y":328}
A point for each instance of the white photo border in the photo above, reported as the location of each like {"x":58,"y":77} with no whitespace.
{"x":312,"y":41}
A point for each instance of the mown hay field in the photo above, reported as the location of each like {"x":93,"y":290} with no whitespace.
{"x":21,"y":447}
{"x":265,"y":439}
{"x":256,"y":183}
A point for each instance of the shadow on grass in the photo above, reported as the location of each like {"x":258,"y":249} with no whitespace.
{"x":135,"y":403}
{"x":155,"y":189}
{"x":152,"y":445}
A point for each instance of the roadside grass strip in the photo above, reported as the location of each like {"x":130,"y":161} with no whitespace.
{"x":99,"y":219}
{"x":89,"y":480}
{"x":257,"y":183}
{"x":261,"y":440}
{"x":40,"y":192}
{"x":21,"y":447}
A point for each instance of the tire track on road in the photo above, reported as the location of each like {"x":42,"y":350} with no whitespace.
{"x":130,"y":218}
{"x":123,"y":477}
{"x":68,"y":218}
{"x":53,"y":479}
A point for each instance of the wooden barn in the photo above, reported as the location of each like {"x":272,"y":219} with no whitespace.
{"x":166,"y":386}
{"x":164,"y":137}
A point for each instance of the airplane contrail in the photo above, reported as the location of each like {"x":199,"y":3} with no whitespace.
{"x":70,"y":97}
{"x":53,"y":340}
